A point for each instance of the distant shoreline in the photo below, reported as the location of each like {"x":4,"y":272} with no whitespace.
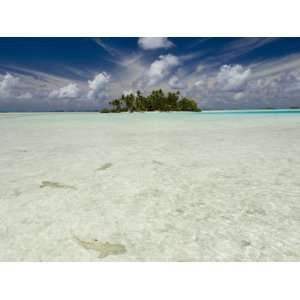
{"x":203,"y":111}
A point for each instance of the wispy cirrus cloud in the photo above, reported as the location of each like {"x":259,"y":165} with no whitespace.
{"x":109,"y":49}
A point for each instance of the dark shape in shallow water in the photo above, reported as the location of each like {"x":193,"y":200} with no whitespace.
{"x":103,"y":248}
{"x":17,"y":192}
{"x":21,"y":150}
{"x":104,"y":167}
{"x":179,"y":210}
{"x":245,"y":243}
{"x":56,"y":185}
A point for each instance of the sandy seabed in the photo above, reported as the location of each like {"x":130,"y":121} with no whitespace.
{"x":150,"y":187}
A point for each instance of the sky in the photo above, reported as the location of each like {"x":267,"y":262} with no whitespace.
{"x":83,"y":74}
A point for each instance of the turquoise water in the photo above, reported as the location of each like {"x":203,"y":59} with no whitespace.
{"x":255,"y":111}
{"x":210,"y":186}
{"x":211,"y":112}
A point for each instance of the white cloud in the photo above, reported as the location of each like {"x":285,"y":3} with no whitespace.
{"x":128,"y":92}
{"x":25,"y":96}
{"x":98,"y":85}
{"x":239,"y":85}
{"x":7,"y":85}
{"x":283,"y":85}
{"x":238,"y":96}
{"x":232,"y":78}
{"x":200,"y":68}
{"x":151,"y":43}
{"x":200,"y":83}
{"x":176,"y":83}
{"x":161,"y":68}
{"x":69,"y":91}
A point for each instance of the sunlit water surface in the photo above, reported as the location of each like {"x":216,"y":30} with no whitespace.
{"x":150,"y":186}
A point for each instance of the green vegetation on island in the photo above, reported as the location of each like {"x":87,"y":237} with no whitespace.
{"x":156,"y":101}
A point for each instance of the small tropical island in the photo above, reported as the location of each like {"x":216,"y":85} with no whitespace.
{"x":156,"y":101}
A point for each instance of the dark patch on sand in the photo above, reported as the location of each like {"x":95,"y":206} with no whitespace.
{"x":104,"y":167}
{"x":17,"y":193}
{"x":157,"y":162}
{"x":245,"y":243}
{"x":21,"y":150}
{"x":56,"y":185}
{"x":103,"y":248}
{"x":149,"y":193}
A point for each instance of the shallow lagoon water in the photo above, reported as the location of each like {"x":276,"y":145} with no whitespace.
{"x":150,"y":186}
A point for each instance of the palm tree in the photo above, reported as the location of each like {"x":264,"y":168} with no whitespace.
{"x":157,"y":100}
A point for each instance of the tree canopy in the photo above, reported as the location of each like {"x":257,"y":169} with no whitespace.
{"x":156,"y":101}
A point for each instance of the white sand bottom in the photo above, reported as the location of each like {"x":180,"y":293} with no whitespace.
{"x":165,"y":187}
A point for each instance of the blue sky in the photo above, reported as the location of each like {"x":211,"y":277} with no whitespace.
{"x":42,"y":74}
